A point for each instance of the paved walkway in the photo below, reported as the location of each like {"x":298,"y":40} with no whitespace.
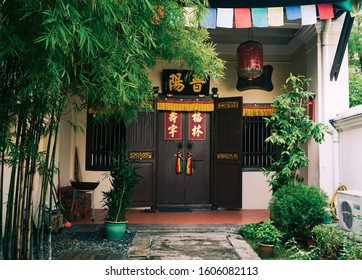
{"x":203,"y":242}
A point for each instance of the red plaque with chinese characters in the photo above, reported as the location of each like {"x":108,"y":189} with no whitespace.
{"x":173,"y":126}
{"x":197,"y":127}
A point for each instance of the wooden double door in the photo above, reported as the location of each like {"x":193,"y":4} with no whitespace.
{"x":216,"y":179}
{"x":183,"y":173}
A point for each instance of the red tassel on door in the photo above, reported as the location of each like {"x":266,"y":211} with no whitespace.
{"x":189,"y":169}
{"x":178,"y":163}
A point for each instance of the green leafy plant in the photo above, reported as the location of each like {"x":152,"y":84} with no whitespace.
{"x":291,"y":127}
{"x":267,"y":233}
{"x":297,"y":209}
{"x":296,"y":252}
{"x":123,"y":178}
{"x":58,"y":56}
{"x":329,"y":239}
{"x":352,"y":250}
{"x":248,"y":231}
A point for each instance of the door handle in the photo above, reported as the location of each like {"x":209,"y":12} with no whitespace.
{"x":189,"y":146}
{"x":179,"y":145}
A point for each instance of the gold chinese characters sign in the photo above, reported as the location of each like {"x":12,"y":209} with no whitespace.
{"x":197,"y":125}
{"x":228,"y":105}
{"x":196,"y":129}
{"x":227,"y":156}
{"x":140,"y":155}
{"x":173,"y":126}
{"x":181,"y":82}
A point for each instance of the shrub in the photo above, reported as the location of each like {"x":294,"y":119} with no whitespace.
{"x":296,"y":252}
{"x":328,"y":239}
{"x":296,"y":209}
{"x":352,"y":250}
{"x":248,"y":231}
{"x":267,"y":233}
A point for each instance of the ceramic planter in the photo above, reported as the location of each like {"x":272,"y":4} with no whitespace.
{"x":115,"y":230}
{"x":266,"y":250}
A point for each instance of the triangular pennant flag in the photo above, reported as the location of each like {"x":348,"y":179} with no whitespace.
{"x":190,"y":16}
{"x":209,"y":20}
{"x":225,"y":17}
{"x":293,"y":12}
{"x":309,"y":14}
{"x":275,"y":16}
{"x":242,"y":18}
{"x":260,"y":17}
{"x":325,"y":11}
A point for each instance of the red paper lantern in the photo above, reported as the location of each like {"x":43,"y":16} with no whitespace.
{"x":250,"y":60}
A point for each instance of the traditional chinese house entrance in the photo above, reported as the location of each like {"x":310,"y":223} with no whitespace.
{"x":183,"y":173}
{"x":189,"y":148}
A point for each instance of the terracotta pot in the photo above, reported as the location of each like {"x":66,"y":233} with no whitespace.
{"x":310,"y":242}
{"x":266,"y":250}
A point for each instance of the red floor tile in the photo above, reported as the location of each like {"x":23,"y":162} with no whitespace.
{"x":222,"y":216}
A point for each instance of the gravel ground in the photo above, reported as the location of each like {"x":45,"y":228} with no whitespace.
{"x":91,"y":238}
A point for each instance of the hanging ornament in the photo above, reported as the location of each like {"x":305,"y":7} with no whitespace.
{"x":178,"y":163}
{"x":250,"y":59}
{"x":189,"y":169}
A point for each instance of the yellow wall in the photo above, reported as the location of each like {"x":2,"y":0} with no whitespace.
{"x":255,"y":189}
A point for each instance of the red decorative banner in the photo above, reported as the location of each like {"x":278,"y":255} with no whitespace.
{"x":197,"y":126}
{"x":173,"y":126}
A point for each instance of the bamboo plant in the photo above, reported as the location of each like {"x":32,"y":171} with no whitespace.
{"x":66,"y":55}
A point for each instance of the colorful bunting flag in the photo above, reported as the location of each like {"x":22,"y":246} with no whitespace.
{"x":325,"y":11}
{"x":209,"y":20}
{"x":275,"y":16}
{"x":309,"y":14}
{"x":260,"y":17}
{"x":242,"y":18}
{"x":225,"y":17}
{"x":293,"y":12}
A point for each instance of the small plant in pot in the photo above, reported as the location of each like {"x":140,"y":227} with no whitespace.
{"x":267,"y":236}
{"x":123,"y":177}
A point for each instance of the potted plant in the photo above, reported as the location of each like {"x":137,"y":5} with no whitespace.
{"x":123,"y":177}
{"x":267,"y":236}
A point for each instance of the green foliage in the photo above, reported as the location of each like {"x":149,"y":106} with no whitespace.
{"x":267,"y":233}
{"x":248,"y":231}
{"x":355,"y":85}
{"x":297,"y":209}
{"x":328,"y":239}
{"x":290,"y":128}
{"x":57,"y":55}
{"x":354,"y":62}
{"x":123,"y":177}
{"x":296,"y":252}
{"x":352,"y":250}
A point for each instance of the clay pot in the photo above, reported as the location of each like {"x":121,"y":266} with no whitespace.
{"x":266,"y":250}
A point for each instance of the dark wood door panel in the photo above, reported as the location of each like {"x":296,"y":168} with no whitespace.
{"x":228,"y":191}
{"x":143,"y":194}
{"x":227,"y":153}
{"x":183,"y":189}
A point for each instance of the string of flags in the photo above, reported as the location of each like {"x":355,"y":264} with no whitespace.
{"x":265,"y":17}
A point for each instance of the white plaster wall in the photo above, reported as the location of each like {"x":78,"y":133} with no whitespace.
{"x":256,"y":191}
{"x":333,"y":98}
{"x":350,"y":158}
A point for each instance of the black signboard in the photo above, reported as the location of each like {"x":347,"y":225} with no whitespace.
{"x":181,"y":82}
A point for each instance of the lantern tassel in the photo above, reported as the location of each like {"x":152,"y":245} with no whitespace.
{"x":189,"y":168}
{"x":178,"y":163}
